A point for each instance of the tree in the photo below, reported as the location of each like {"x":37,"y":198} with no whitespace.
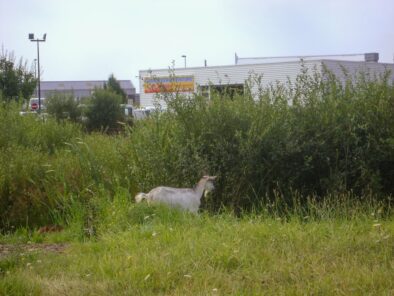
{"x":104,"y":111}
{"x":16,"y":81}
{"x":114,"y":85}
{"x":63,"y":106}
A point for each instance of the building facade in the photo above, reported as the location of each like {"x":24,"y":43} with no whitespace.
{"x":81,"y":89}
{"x":201,"y":79}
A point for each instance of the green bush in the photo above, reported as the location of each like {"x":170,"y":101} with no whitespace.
{"x":104,"y":111}
{"x":114,"y":85}
{"x":63,"y":106}
{"x":17,"y":83}
{"x":317,"y":137}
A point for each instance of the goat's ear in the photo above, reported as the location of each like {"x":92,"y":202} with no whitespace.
{"x":213,"y":178}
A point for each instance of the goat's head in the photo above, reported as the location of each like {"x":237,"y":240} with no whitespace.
{"x":209,"y":183}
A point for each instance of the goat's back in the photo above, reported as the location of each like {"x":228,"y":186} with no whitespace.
{"x":185,"y":198}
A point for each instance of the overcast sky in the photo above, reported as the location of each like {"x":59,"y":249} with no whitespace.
{"x":90,"y":39}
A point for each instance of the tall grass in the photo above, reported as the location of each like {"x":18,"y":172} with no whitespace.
{"x":284,"y":150}
{"x":29,"y":152}
{"x":317,"y":137}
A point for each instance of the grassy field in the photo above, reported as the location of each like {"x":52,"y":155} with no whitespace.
{"x":155,"y":251}
{"x":305,"y":172}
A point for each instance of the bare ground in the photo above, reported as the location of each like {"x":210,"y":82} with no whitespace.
{"x":9,"y":249}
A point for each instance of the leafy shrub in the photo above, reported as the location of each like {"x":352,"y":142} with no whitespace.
{"x":114,"y":85}
{"x":104,"y":111}
{"x":319,"y":136}
{"x":319,"y":139}
{"x":63,"y":106}
{"x":17,"y":83}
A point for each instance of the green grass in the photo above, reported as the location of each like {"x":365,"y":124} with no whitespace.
{"x":308,"y":186}
{"x":156,"y":251}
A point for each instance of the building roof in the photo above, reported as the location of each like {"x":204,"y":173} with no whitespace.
{"x":80,"y":85}
{"x":249,"y":65}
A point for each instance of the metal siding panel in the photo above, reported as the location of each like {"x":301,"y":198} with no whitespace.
{"x":355,"y":68}
{"x":271,"y":73}
{"x":234,"y":74}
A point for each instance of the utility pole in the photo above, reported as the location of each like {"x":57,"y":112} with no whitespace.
{"x":31,"y":38}
{"x":184,"y":56}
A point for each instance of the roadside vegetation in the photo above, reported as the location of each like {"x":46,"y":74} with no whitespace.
{"x":17,"y":80}
{"x":303,"y":200}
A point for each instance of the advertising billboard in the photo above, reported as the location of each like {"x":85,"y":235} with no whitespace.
{"x":169,"y":84}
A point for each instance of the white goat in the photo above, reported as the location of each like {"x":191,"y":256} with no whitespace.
{"x":184,"y":198}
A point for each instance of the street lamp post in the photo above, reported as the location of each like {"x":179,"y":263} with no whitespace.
{"x":35,"y":68}
{"x":31,"y":38}
{"x":184,"y":56}
{"x":35,"y":74}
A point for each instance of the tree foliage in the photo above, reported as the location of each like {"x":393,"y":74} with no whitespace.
{"x":114,"y":85}
{"x":104,"y":111}
{"x":16,"y":81}
{"x":63,"y":106}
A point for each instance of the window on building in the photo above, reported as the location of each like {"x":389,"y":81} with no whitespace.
{"x":229,"y":90}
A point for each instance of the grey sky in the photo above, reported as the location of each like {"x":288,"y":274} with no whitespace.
{"x":90,"y":39}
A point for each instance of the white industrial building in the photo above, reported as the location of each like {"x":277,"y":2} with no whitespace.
{"x":200,"y":79}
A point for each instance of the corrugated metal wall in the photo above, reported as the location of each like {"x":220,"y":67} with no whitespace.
{"x":354,"y":68}
{"x":270,"y":73}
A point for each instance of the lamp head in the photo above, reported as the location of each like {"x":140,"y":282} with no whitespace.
{"x":31,"y":36}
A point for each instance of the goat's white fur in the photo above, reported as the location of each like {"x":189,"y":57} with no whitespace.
{"x":185,"y":198}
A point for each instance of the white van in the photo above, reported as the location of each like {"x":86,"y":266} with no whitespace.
{"x":142,"y":113}
{"x":33,"y":104}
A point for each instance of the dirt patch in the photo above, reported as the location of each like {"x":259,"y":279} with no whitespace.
{"x":8,"y":249}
